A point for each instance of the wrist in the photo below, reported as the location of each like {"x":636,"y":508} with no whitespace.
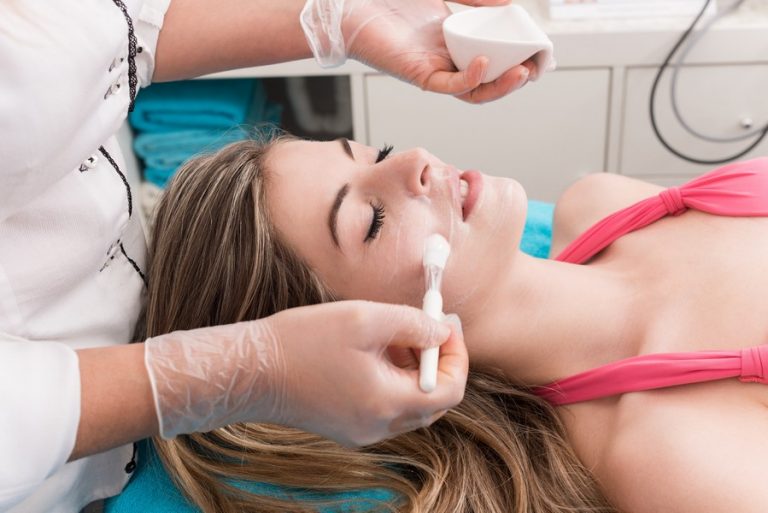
{"x":321,"y":22}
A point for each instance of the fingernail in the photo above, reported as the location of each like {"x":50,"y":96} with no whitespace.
{"x":454,"y":320}
{"x":443,"y":332}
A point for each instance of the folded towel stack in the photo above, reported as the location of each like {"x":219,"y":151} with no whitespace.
{"x":177,"y":120}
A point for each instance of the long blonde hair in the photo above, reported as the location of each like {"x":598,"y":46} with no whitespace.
{"x":216,"y":259}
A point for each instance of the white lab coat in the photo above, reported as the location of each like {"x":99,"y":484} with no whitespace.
{"x":65,"y":235}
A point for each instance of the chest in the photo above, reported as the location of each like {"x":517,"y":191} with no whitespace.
{"x":685,"y":449}
{"x":704,"y":279}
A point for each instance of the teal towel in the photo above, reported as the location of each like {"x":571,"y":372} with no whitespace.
{"x":163,"y":153}
{"x":151,"y":490}
{"x":537,"y":236}
{"x":194,"y":104}
{"x":170,"y":149}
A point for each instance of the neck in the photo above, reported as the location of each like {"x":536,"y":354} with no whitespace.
{"x":546,"y":320}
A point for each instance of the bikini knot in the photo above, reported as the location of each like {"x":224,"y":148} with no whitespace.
{"x":673,"y":201}
{"x":754,"y":364}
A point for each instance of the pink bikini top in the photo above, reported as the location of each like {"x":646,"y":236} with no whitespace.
{"x":739,"y":189}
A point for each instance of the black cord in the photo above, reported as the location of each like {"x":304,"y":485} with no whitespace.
{"x":652,"y":104}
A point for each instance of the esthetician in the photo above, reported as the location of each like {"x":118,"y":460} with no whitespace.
{"x":73,"y":393}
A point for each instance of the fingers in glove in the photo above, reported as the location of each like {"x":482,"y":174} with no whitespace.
{"x":453,"y":366}
{"x":533,"y":70}
{"x":405,"y":326}
{"x":512,"y":79}
{"x":458,"y":82}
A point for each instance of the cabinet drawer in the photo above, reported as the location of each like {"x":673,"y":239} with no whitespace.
{"x":545,"y":135}
{"x":713,"y":99}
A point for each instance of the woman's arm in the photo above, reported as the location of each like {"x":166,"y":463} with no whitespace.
{"x":403,"y":39}
{"x":202,"y":36}
{"x":116,"y":404}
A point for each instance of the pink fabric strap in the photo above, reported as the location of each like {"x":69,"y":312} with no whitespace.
{"x":739,"y":189}
{"x":647,"y":372}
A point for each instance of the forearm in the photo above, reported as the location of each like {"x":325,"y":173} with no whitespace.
{"x":117,"y":406}
{"x":204,"y":36}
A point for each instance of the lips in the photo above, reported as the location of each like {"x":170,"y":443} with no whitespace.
{"x":470,"y":186}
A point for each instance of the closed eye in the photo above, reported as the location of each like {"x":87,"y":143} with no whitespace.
{"x":384,"y":152}
{"x":376,"y":221}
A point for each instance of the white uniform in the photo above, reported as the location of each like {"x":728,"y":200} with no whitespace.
{"x":70,"y":239}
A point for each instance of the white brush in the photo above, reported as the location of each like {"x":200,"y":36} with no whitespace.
{"x":436,"y":251}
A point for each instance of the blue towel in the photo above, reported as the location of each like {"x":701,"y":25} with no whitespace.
{"x":163,"y":153}
{"x":151,"y":490}
{"x":537,"y":236}
{"x":194,"y":103}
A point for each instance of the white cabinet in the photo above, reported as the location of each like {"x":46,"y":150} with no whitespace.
{"x":591,"y":114}
{"x":545,"y":135}
{"x":713,"y":99}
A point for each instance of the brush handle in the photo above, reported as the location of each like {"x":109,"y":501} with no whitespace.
{"x":432,"y":306}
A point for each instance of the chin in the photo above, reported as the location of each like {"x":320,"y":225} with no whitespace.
{"x":508,"y":211}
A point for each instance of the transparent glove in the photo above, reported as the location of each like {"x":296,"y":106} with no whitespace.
{"x":403,"y":38}
{"x":343,"y":370}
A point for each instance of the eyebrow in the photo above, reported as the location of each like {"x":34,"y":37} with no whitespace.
{"x":347,"y":148}
{"x":333,"y":216}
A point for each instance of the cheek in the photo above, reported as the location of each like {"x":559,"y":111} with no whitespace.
{"x":488,"y":251}
{"x":390,"y":270}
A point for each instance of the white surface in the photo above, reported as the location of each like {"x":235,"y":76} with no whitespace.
{"x":506,"y":35}
{"x":713,"y":99}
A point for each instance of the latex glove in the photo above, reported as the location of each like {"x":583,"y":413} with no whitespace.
{"x":334,"y":369}
{"x":405,"y":39}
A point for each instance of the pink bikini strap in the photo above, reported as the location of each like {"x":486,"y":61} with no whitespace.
{"x":754,"y":364}
{"x":647,"y":372}
{"x":739,"y":189}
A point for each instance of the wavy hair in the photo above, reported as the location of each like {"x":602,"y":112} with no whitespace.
{"x":215,"y":258}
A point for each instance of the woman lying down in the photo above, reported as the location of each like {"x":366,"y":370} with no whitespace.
{"x":626,"y":374}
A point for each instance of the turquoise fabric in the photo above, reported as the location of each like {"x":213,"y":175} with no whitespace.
{"x":201,"y":104}
{"x":164,"y":152}
{"x":178,"y":120}
{"x":151,"y":491}
{"x":537,"y":236}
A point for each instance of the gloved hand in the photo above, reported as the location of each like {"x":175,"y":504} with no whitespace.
{"x":405,"y":39}
{"x":341,"y":370}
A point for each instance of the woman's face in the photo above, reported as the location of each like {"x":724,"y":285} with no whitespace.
{"x":359,"y":218}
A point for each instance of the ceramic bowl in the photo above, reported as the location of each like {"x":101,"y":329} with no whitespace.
{"x":507,"y":35}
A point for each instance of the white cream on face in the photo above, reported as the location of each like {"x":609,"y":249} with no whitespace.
{"x":304,"y":178}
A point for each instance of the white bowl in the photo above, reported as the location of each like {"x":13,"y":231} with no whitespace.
{"x":507,"y":35}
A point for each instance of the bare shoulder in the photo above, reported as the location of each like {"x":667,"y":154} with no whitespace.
{"x":590,"y":199}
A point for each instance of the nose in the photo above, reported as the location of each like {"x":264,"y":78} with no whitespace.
{"x":413,"y":167}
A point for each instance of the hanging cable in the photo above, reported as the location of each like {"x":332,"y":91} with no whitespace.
{"x":761,"y":132}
